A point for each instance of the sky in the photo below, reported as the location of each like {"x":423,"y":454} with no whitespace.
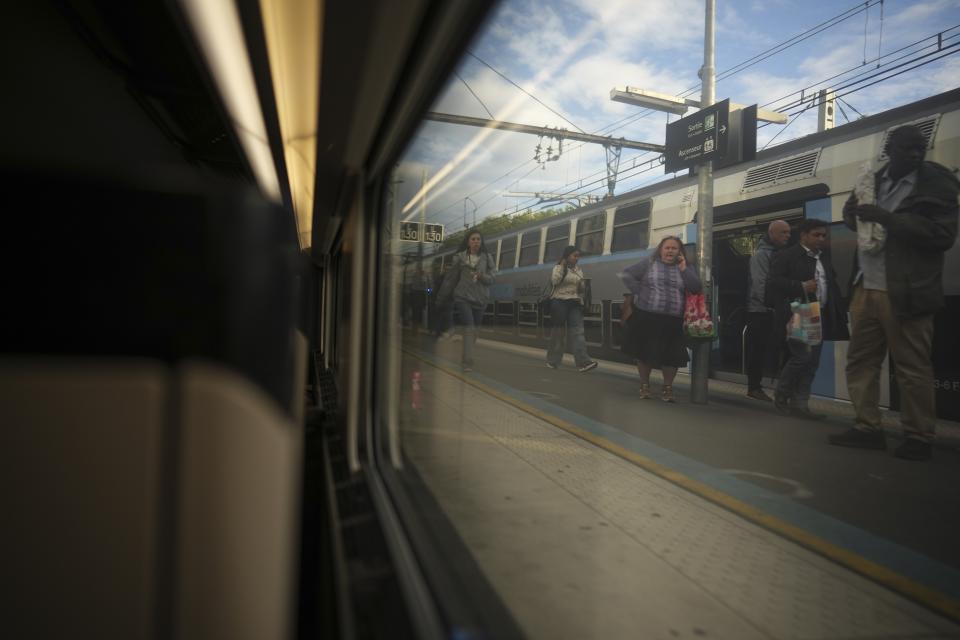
{"x":568,"y":54}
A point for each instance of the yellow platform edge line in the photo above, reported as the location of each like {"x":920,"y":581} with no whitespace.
{"x":925,"y":596}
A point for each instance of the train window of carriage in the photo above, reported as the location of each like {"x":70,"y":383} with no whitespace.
{"x":558,"y":237}
{"x":590,"y":234}
{"x":508,"y":253}
{"x":631,"y":227}
{"x":529,"y":248}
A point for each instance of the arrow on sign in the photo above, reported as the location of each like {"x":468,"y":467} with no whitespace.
{"x":723,"y":129}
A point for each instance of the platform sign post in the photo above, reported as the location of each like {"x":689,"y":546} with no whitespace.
{"x":701,"y":353}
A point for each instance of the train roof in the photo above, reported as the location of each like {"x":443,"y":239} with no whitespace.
{"x":842,"y":133}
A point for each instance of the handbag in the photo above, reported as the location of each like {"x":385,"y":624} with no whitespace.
{"x":696,"y":319}
{"x":805,"y":324}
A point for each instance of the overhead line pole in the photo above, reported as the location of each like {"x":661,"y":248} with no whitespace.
{"x":701,"y":353}
{"x":544,"y":131}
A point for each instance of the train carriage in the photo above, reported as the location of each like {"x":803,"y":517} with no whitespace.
{"x":810,"y":177}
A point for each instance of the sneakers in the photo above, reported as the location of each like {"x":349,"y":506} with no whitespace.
{"x":860,"y":439}
{"x":806,"y":414}
{"x":644,"y":391}
{"x":758,"y":394}
{"x":587,"y":367}
{"x":466,"y":368}
{"x":914,"y":449}
{"x":781,"y":403}
{"x":666,"y":393}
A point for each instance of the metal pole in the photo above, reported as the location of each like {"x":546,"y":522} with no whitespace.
{"x":701,"y":354}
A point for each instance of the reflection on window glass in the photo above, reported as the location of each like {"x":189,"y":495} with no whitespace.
{"x":529,"y":248}
{"x":508,"y":252}
{"x":631,"y":227}
{"x":558,"y":237}
{"x":590,"y":233}
{"x":548,"y":411}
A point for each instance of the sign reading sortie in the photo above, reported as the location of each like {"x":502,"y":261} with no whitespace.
{"x":698,"y":138}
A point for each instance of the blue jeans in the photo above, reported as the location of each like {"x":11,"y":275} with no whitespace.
{"x":567,"y":314}
{"x":470,"y":319}
{"x":798,"y":373}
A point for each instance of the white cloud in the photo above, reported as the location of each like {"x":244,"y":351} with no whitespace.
{"x":570,"y":53}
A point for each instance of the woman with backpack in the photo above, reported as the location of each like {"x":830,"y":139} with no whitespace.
{"x":566,"y":310}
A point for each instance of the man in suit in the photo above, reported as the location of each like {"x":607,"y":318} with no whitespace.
{"x":803,"y":272}
{"x":897,"y":288}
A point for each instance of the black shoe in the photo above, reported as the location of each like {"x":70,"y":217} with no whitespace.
{"x":914,"y":449}
{"x":806,"y":414}
{"x":551,"y":365}
{"x":781,"y":403}
{"x":758,"y":394}
{"x":860,"y":439}
{"x":588,"y":367}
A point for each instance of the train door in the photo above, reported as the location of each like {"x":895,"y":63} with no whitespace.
{"x":733,"y":245}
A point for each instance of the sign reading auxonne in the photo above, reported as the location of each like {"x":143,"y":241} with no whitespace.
{"x":417,"y":232}
{"x":698,"y":138}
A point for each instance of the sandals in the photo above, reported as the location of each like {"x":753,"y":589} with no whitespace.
{"x":644,"y":391}
{"x":666,"y":394}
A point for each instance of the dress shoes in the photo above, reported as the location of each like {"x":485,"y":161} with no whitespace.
{"x":859,"y":439}
{"x":806,"y":414}
{"x":914,"y":449}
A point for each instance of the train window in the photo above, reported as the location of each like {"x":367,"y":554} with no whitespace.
{"x":592,"y":504}
{"x":529,"y":248}
{"x":631,"y":227}
{"x":508,"y":253}
{"x":558,"y":237}
{"x":590,"y":234}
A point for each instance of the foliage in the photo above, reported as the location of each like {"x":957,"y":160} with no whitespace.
{"x":496,"y":225}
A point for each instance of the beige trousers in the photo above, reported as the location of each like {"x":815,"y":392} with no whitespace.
{"x":875,"y":328}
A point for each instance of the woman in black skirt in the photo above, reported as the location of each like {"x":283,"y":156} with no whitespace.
{"x":654,"y":331}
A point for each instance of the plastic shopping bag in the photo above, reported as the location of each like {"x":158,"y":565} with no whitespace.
{"x":805,"y":325}
{"x":696,"y":318}
{"x":871,"y":237}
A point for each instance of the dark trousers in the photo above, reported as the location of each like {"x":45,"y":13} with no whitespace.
{"x":798,"y":373}
{"x":760,"y":343}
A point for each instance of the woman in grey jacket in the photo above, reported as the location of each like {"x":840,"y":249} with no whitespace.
{"x":566,"y":310}
{"x":467,"y":284}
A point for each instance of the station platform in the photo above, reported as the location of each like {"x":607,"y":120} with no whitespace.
{"x":596,"y":514}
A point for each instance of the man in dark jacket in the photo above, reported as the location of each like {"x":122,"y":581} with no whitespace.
{"x":803,"y":272}
{"x":762,"y":343}
{"x":896,"y":292}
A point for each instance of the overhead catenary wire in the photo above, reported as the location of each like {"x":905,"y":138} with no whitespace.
{"x":538,"y":100}
{"x":474,"y":94}
{"x":837,"y":19}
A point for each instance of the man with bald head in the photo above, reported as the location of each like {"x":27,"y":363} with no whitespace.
{"x":762,"y":342}
{"x":896,"y":289}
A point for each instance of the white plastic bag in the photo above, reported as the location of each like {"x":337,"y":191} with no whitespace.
{"x":870,"y":236}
